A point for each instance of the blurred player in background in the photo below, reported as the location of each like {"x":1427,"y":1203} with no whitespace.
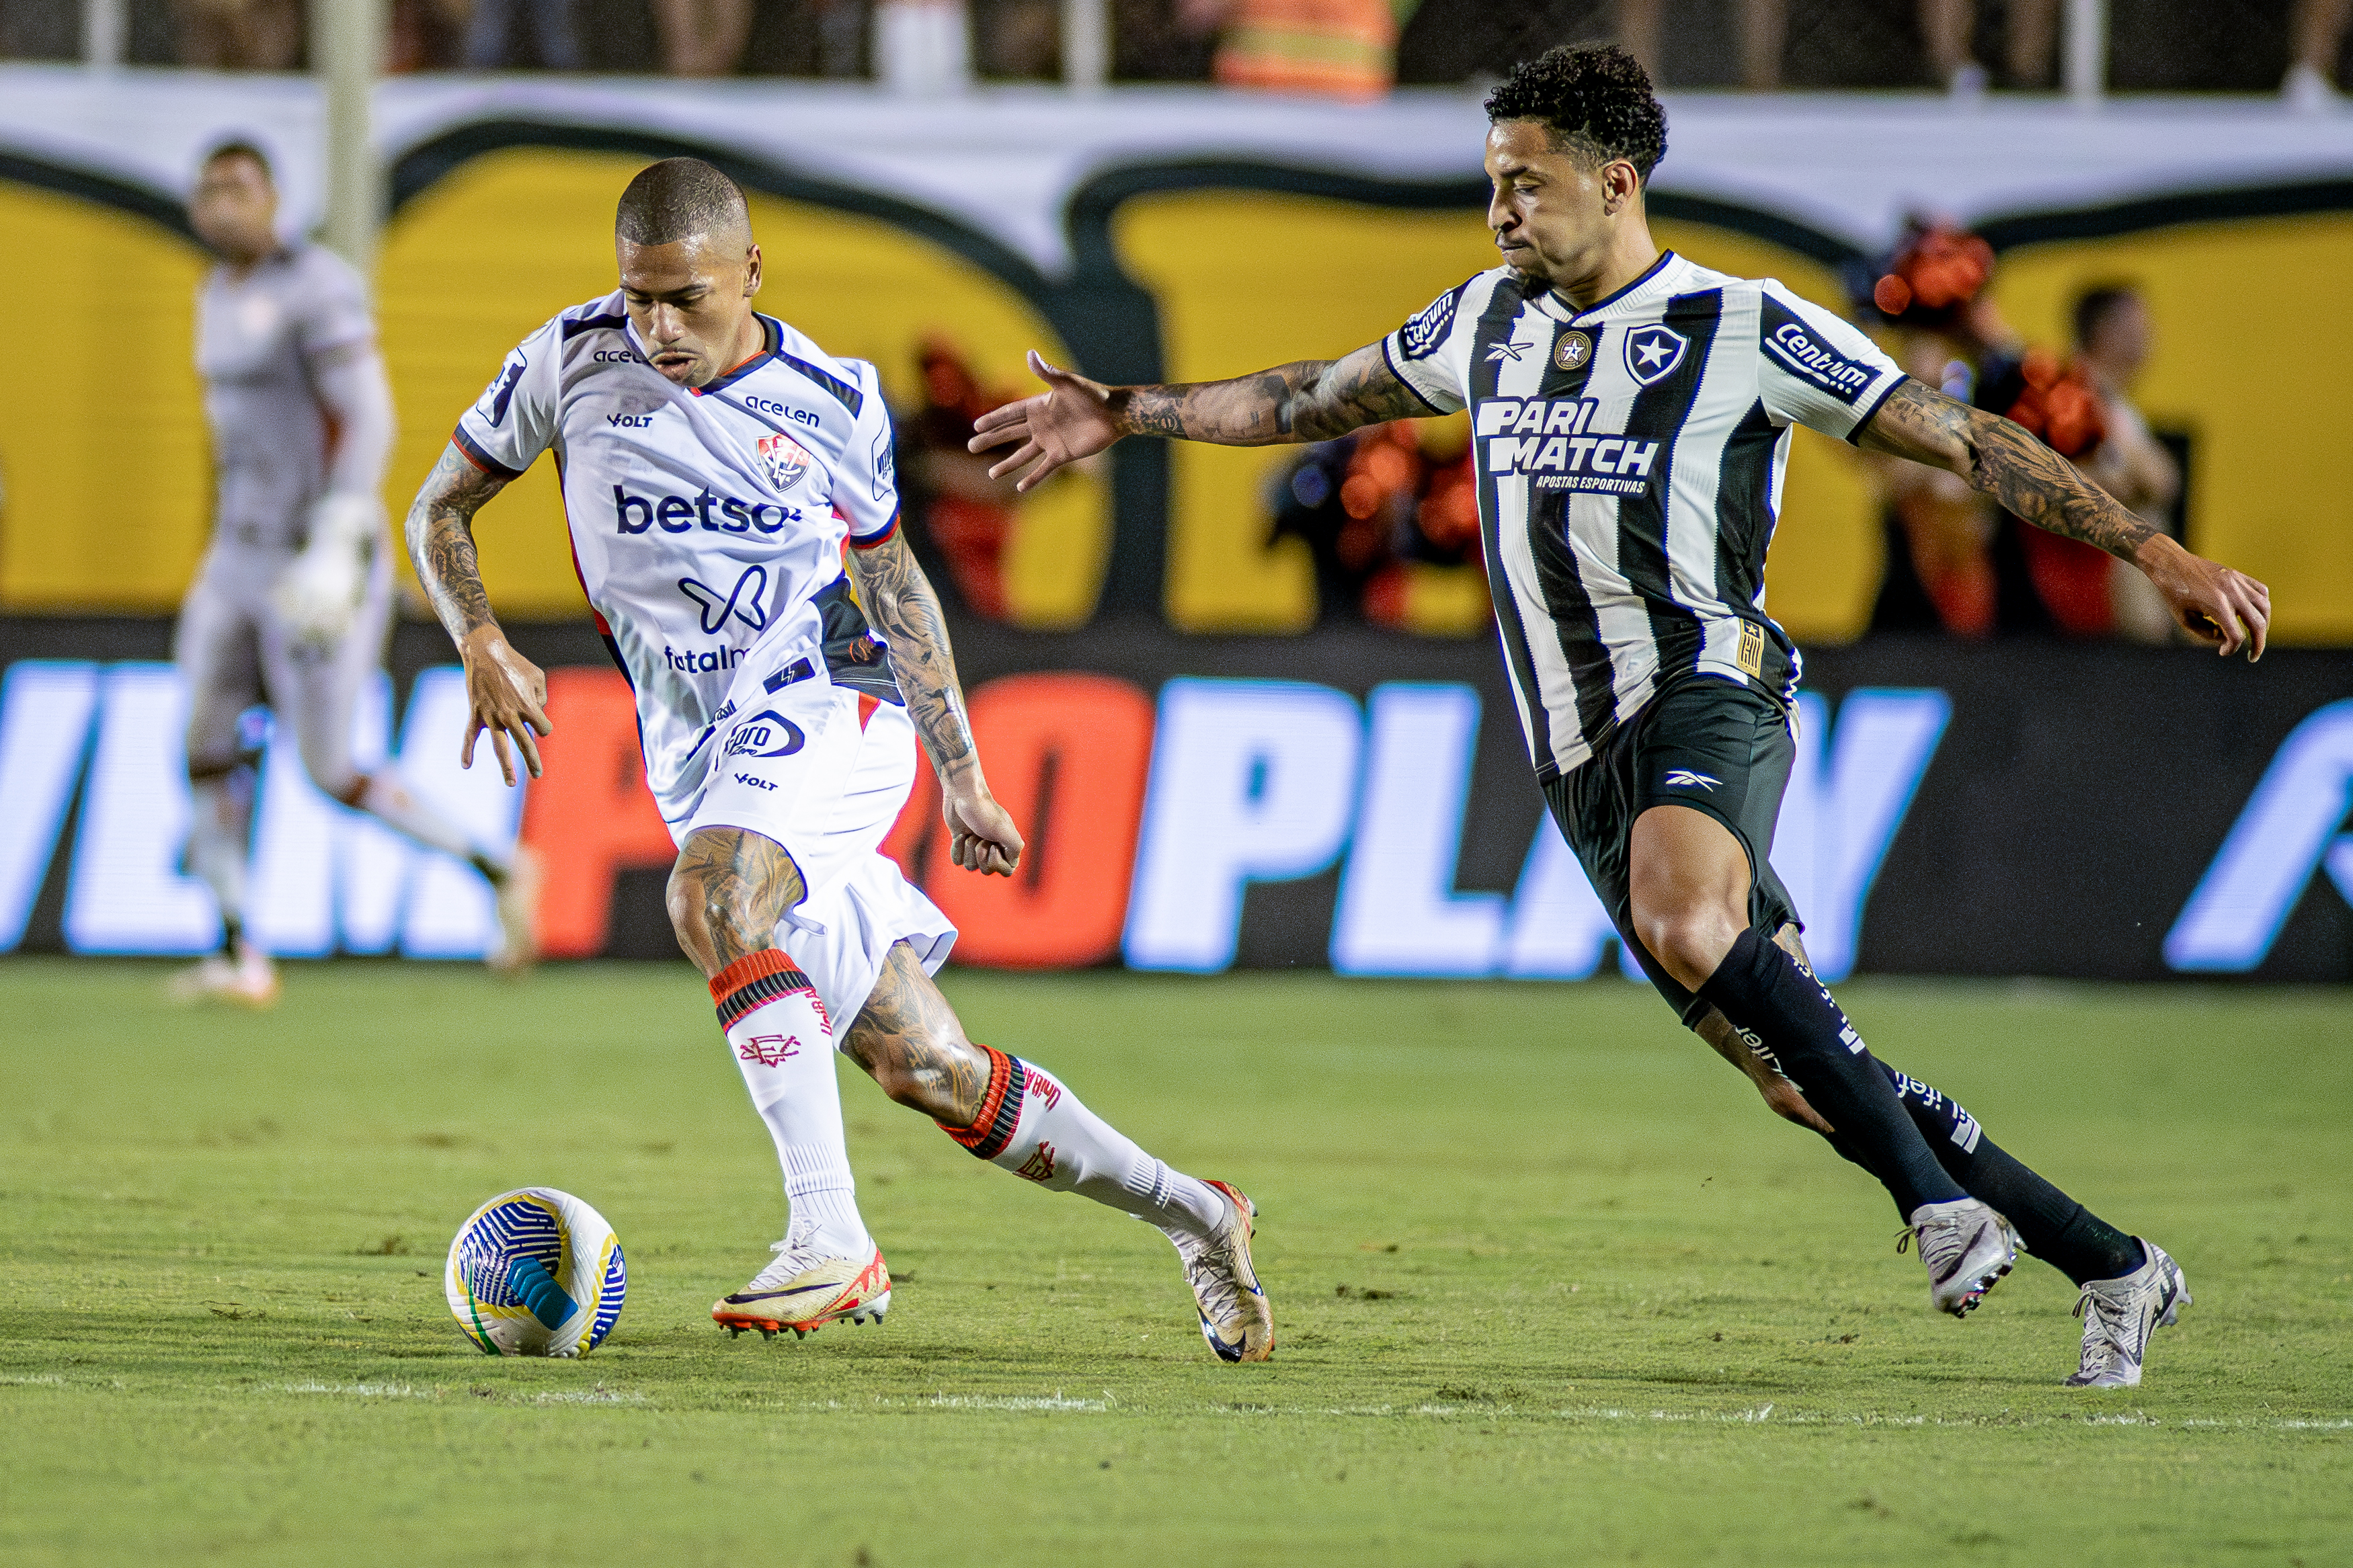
{"x":715,"y":462}
{"x":1631,"y":412}
{"x":293,"y":600}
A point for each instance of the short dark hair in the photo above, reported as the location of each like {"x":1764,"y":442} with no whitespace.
{"x":2097,"y":304}
{"x":1596,"y":101}
{"x":238,"y":147}
{"x":676,"y":199}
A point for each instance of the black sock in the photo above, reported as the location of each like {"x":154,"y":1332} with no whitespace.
{"x":2055,"y":1227}
{"x":1760,"y":988}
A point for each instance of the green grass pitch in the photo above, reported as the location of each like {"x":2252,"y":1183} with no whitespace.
{"x":1550,"y":1286}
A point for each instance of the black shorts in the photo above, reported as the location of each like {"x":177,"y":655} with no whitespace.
{"x":1718,"y":748}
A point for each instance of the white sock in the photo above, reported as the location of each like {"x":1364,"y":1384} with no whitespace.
{"x":1034,"y":1127}
{"x":383,"y":793}
{"x":781,"y":1038}
{"x":220,"y":838}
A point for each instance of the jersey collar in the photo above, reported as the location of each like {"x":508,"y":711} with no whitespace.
{"x":771,"y":339}
{"x":1553,"y":304}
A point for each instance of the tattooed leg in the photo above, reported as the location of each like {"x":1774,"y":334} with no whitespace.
{"x":1008,"y":1111}
{"x":726,"y":895}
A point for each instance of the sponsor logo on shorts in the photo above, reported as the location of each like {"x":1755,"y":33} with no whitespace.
{"x":755,"y":782}
{"x":766,"y":733}
{"x":1683,"y":778}
{"x":769,"y":1050}
{"x":1039,"y":1165}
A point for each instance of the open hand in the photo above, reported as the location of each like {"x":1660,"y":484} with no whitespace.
{"x":508,"y":697}
{"x":1071,"y":419}
{"x":2213,"y":603}
{"x":981,"y":835}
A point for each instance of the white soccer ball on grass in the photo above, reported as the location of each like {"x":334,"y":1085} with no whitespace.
{"x":536,"y":1272}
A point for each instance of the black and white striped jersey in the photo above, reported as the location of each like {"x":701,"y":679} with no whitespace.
{"x":1630,"y":460}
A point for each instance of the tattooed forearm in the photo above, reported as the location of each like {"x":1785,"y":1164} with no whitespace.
{"x":440,"y":537}
{"x":899,"y":601}
{"x":908,"y":1039}
{"x":440,"y":534}
{"x":1312,"y":400}
{"x":2006,"y":462}
{"x":726,"y":894}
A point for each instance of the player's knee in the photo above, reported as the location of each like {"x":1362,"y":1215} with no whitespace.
{"x":1690,"y":938}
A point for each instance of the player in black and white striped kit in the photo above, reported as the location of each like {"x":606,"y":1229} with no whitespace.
{"x":1630,"y":414}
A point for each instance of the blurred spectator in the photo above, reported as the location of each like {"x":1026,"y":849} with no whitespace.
{"x":699,"y":38}
{"x":426,"y":35}
{"x":1335,"y":49}
{"x":1941,"y":568}
{"x":966,"y":517}
{"x":1370,"y":502}
{"x":492,"y":43}
{"x":1149,"y":42}
{"x":238,"y":35}
{"x":2311,"y":84}
{"x":2031,"y":34}
{"x":1764,"y":26}
{"x":2113,"y":338}
{"x":1020,"y":40}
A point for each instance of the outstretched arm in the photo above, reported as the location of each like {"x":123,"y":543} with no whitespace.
{"x":900,"y":602}
{"x":507,"y":693}
{"x":1310,"y":400}
{"x":2213,"y":603}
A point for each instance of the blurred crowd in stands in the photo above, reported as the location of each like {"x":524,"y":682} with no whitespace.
{"x":1347,"y":48}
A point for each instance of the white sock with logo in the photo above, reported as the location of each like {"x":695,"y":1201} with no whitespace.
{"x":1034,"y":1127}
{"x":782,"y":1040}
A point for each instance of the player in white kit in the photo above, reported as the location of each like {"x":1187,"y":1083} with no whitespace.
{"x":714,"y":461}
{"x":293,"y":599}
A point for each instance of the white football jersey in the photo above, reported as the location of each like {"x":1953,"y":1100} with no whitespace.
{"x":255,"y":337}
{"x":707,"y":522}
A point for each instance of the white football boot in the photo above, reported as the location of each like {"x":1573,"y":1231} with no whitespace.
{"x":1235,"y":1317}
{"x":804,"y":1291}
{"x":2120,"y":1314}
{"x":1967,"y":1249}
{"x":245,"y":979}
{"x":518,"y":947}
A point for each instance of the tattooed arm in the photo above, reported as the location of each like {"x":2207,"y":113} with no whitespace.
{"x":900,"y":602}
{"x":507,"y":693}
{"x":2213,"y":603}
{"x":1310,"y":400}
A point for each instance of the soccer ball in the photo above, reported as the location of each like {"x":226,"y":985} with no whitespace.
{"x":536,"y":1272}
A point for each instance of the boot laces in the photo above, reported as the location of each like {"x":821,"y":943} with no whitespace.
{"x":2103,"y":1324}
{"x":1209,"y":1269}
{"x":1941,"y":1240}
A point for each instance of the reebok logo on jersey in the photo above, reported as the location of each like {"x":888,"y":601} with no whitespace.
{"x":1507,"y":351}
{"x":1420,"y":336}
{"x":1683,"y":778}
{"x":676,"y":514}
{"x":1797,"y":352}
{"x":1652,"y":353}
{"x":1544,"y":438}
{"x":786,"y":459}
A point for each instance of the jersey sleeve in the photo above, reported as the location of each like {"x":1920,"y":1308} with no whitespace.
{"x":514,"y":420}
{"x":333,"y":311}
{"x":866,"y":492}
{"x":1431,"y":352}
{"x":1818,"y":370}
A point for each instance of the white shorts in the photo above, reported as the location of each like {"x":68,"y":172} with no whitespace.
{"x":824,"y":772}
{"x":233,"y":652}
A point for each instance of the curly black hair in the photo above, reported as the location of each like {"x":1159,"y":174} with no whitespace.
{"x":1596,"y":100}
